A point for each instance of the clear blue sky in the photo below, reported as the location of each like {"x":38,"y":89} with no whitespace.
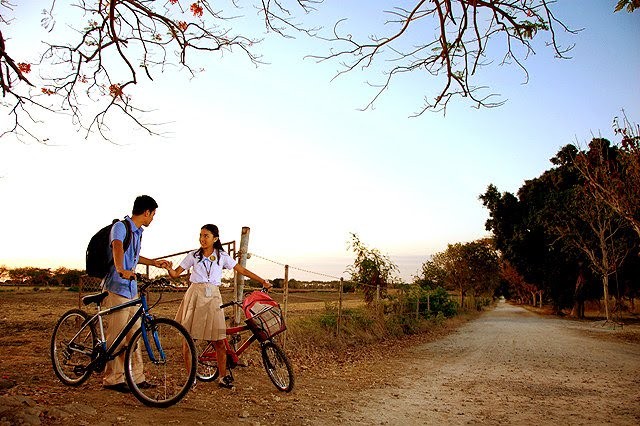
{"x":284,"y":150}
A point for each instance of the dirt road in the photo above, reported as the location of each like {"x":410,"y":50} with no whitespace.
{"x":513,"y":367}
{"x":509,"y":366}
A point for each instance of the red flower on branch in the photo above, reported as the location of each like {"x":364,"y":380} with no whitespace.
{"x":197,"y":9}
{"x":47,"y":91}
{"x":182,"y":25}
{"x":24,"y":68}
{"x":173,"y":1}
{"x":115,"y":90}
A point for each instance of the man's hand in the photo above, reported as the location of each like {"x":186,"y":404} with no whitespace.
{"x":127,"y":275}
{"x":164,"y":264}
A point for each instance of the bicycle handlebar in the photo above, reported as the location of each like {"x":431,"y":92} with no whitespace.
{"x":238,"y":302}
{"x":145,"y":282}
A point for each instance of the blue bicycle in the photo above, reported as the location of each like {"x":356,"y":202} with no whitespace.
{"x":78,"y":348}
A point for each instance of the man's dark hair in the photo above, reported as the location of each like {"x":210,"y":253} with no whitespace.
{"x":144,"y":203}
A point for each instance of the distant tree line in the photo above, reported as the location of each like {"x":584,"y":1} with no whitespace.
{"x":41,"y":277}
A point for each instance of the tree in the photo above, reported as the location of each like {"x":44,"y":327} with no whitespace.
{"x":470,"y":267}
{"x":371,"y":270}
{"x":555,"y":225}
{"x":612,"y":173}
{"x":31,"y":276}
{"x":517,"y":284}
{"x":431,"y":275}
{"x":68,"y":277}
{"x":597,"y":229}
{"x":524,"y":232}
{"x":90,"y":72}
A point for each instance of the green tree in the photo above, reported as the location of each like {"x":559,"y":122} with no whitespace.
{"x":67,"y":277}
{"x":466,"y":268}
{"x":554,"y":225}
{"x":431,"y":275}
{"x":524,"y":232}
{"x":31,"y":276}
{"x":371,"y":270}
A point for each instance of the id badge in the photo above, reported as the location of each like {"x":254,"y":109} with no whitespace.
{"x":208,"y":291}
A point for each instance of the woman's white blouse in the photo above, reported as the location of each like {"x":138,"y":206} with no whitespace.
{"x":207,"y":270}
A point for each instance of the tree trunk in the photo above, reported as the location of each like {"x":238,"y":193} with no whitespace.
{"x":605,"y":283}
{"x":578,"y":297}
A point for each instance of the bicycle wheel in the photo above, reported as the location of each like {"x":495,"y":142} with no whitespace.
{"x":72,"y":347}
{"x":277,"y":365}
{"x":207,"y":369}
{"x":167,"y":378}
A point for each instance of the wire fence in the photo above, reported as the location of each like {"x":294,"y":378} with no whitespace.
{"x":298,"y":298}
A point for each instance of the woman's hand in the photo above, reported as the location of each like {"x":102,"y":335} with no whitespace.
{"x":164,"y":264}
{"x":266,"y":284}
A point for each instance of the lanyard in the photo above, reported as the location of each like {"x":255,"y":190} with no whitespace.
{"x":204,"y":263}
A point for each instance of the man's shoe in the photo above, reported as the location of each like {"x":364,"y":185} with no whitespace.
{"x":119,"y":387}
{"x":146,"y":385}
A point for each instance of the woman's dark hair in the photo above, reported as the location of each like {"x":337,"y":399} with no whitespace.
{"x":142,"y":204}
{"x":217,"y":246}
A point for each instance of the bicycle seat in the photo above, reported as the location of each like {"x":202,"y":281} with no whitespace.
{"x":94,"y":298}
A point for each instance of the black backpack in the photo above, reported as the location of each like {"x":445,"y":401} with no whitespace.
{"x":99,"y":255}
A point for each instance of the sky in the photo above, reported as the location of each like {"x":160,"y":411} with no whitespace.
{"x":284,"y":149}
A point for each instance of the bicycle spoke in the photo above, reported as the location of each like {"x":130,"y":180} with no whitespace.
{"x":207,"y":369}
{"x":72,"y":347}
{"x":167,"y":379}
{"x":277,"y":366}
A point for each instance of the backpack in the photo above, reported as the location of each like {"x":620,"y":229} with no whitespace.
{"x":99,"y":257}
{"x":257,"y":302}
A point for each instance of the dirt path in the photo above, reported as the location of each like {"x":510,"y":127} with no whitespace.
{"x":512,"y":367}
{"x":509,"y":366}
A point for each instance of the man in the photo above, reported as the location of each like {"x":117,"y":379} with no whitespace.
{"x":121,"y":284}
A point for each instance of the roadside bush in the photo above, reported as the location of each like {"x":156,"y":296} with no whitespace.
{"x":440,"y":302}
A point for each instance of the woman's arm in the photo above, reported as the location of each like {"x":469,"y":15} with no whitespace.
{"x":247,"y":273}
{"x":163,"y":263}
{"x":175,"y":273}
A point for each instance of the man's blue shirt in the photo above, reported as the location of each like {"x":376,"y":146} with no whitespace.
{"x":113,"y":281}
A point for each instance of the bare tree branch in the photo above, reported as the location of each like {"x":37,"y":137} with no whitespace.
{"x":465,"y":31}
{"x":90,"y":76}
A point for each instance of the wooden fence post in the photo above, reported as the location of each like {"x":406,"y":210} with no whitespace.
{"x":238,"y":279}
{"x":340,"y":307}
{"x":285,"y":299}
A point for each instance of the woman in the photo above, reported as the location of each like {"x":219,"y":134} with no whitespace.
{"x":199,"y":311}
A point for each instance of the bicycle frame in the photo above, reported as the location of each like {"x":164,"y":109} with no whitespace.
{"x":110,"y":353}
{"x":233,"y":353}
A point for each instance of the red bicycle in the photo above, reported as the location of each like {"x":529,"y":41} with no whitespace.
{"x":264,"y":321}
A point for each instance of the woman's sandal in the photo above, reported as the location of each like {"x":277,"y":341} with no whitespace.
{"x":226,"y":382}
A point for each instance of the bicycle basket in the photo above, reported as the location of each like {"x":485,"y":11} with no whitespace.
{"x":267,"y":323}
{"x":257,"y":302}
